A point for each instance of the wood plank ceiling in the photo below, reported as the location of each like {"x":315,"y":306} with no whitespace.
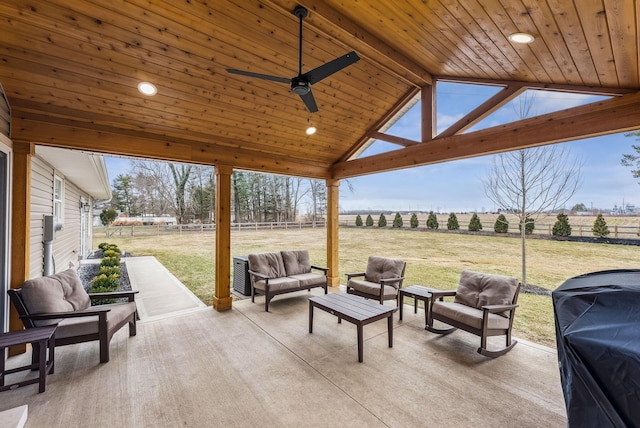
{"x":70,"y":71}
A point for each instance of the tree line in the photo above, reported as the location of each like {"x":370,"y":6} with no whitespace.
{"x":187,"y":192}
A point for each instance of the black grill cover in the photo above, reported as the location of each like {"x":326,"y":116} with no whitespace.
{"x":597,"y":319}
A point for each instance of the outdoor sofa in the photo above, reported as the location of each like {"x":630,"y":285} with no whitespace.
{"x":283,"y":272}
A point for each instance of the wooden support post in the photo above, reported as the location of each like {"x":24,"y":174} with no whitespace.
{"x":222,"y":291}
{"x":332,"y":232}
{"x":428,"y":105}
{"x":20,"y":227}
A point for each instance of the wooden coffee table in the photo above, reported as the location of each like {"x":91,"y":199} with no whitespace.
{"x":354,"y":309}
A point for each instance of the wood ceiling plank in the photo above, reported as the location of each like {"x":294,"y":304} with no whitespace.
{"x":593,"y":18}
{"x":599,"y":118}
{"x":622,"y":17}
{"x":549,"y":42}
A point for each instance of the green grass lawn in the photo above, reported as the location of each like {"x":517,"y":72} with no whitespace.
{"x":433,"y":259}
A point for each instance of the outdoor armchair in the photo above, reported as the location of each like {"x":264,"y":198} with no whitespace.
{"x":380,"y":281}
{"x":483,"y":304}
{"x":61,"y":299}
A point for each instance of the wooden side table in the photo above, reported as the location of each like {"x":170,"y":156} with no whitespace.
{"x":417,"y":292}
{"x":45,"y":337}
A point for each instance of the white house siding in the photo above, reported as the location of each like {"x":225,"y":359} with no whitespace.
{"x":66,"y":245}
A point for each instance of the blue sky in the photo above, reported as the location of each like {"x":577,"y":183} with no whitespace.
{"x":457,"y":186}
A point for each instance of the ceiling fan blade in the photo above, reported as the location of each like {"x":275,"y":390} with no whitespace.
{"x":259,"y":76}
{"x":327,"y":69}
{"x":309,"y":101}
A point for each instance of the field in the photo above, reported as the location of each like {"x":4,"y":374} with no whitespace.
{"x":433,"y":259}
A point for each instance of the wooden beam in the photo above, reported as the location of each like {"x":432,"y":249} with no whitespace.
{"x":333,"y":196}
{"x":405,"y":142}
{"x":577,"y":89}
{"x":428,"y":105}
{"x":599,"y":118}
{"x":483,"y":110}
{"x":393,"y":113}
{"x":222,"y":290}
{"x":108,"y":140}
{"x":20,"y":227}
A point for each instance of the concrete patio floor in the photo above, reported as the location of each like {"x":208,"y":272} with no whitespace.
{"x":247,"y":367}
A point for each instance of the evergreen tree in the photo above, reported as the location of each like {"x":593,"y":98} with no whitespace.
{"x":382,"y":221}
{"x":501,"y":225}
{"x":358,"y":220}
{"x":432,"y":221}
{"x":561,"y":227}
{"x":474,"y":223}
{"x":369,"y":221}
{"x":397,"y":221}
{"x":530,"y":224}
{"x":452,"y":222}
{"x":107,"y":216}
{"x":600,"y":228}
{"x":414,"y":221}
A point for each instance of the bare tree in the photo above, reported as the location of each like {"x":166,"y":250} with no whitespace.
{"x":531,"y":182}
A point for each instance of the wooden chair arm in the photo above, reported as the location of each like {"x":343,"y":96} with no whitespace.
{"x":322,"y":268}
{"x":95,"y":311}
{"x":259,"y":275}
{"x":498,"y":308}
{"x":384,"y":281}
{"x":351,"y":275}
{"x":114,"y":295}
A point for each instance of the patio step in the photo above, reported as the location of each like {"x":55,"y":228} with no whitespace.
{"x":15,"y":417}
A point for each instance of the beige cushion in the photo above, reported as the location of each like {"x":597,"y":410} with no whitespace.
{"x":468,"y":315}
{"x":267,"y":264}
{"x":61,"y":292}
{"x":309,"y":279}
{"x":283,"y":283}
{"x":480,"y":289}
{"x":71,"y":327}
{"x":383,"y":268}
{"x":296,"y":262}
{"x":372,"y":288}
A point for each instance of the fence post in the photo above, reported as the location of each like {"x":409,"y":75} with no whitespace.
{"x":550,"y":232}
{"x":580,"y":230}
{"x":615,"y":230}
{"x":133,"y":231}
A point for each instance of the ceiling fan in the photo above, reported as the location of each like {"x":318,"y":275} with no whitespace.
{"x":301,"y":84}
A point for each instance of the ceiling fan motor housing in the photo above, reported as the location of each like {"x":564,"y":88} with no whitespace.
{"x":300,"y":86}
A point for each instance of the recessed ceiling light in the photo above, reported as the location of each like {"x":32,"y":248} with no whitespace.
{"x":521,"y":38}
{"x":147,"y":88}
{"x":311,"y":130}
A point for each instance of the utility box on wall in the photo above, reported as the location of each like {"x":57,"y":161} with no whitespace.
{"x":241,"y":279}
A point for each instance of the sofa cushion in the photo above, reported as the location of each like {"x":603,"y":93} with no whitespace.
{"x":71,"y":327}
{"x":60,"y":292}
{"x":267,"y":264}
{"x":480,"y":289}
{"x":296,"y":262}
{"x":383,"y":268}
{"x":468,"y":315}
{"x":275,"y":284}
{"x":372,"y":288}
{"x":309,"y":279}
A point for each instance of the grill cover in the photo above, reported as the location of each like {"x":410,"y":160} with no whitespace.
{"x":597,"y":318}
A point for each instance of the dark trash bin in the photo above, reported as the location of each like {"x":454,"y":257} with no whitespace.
{"x":241,"y":279}
{"x":597,"y":318}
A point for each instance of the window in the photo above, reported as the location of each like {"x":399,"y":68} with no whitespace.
{"x":58,"y":198}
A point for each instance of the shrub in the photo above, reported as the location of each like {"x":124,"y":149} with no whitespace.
{"x":369,"y":221}
{"x":104,"y":284}
{"x":110,"y":261}
{"x":474,"y":223}
{"x":452,"y":222}
{"x":397,"y":221}
{"x":432,"y":221}
{"x":358,"y":220}
{"x":107,"y":216}
{"x":414,"y":221}
{"x":501,"y":225}
{"x":529,"y":225}
{"x":382,"y":221}
{"x":600,"y":228}
{"x":109,"y":270}
{"x":111,"y":253}
{"x":561,"y":227}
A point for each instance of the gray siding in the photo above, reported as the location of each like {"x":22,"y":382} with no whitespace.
{"x":66,"y":245}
